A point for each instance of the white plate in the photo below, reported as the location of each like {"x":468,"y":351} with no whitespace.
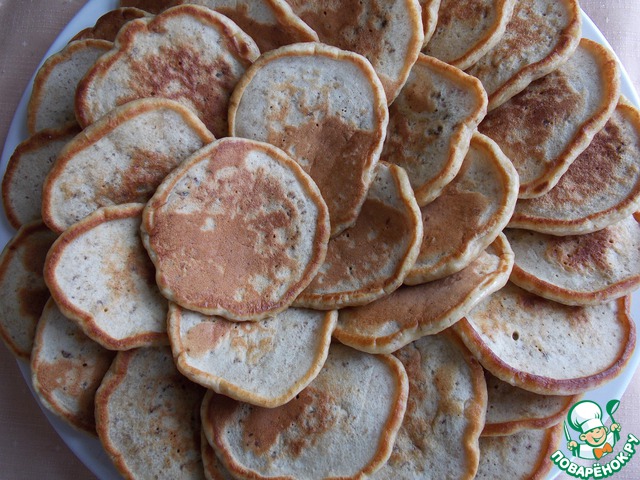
{"x":87,"y":448}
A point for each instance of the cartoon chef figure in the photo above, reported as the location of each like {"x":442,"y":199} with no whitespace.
{"x":586,"y":417}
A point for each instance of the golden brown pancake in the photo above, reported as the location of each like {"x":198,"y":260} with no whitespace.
{"x":151,"y":6}
{"x":109,"y":24}
{"x":237,"y":230}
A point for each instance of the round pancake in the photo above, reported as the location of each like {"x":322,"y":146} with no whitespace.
{"x":468,"y":215}
{"x":389,"y":34}
{"x":523,"y":455}
{"x":237,"y":230}
{"x":431,"y":123}
{"x":540,"y":36}
{"x":323,"y":430}
{"x":51,"y":104}
{"x":468,"y":29}
{"x":271,"y":23}
{"x":445,"y":413}
{"x":100,"y":276}
{"x":429,"y":18}
{"x":67,"y":368}
{"x":23,"y":292}
{"x":264,"y":363}
{"x":26,"y":171}
{"x":579,"y":269}
{"x":600,"y":188}
{"x":189,"y":53}
{"x":109,"y":24}
{"x":370,"y":259}
{"x":147,"y":416}
{"x":304,"y":97}
{"x":547,"y":125}
{"x":511,"y":409}
{"x":541,"y":346}
{"x":121,"y":158}
{"x":409,"y":313}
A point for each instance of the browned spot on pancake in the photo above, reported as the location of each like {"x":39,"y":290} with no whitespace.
{"x":581,"y":253}
{"x":33,"y":296}
{"x":108,"y":26}
{"x":205,"y":336}
{"x":359,"y":253}
{"x":125,"y":271}
{"x":453,"y":11}
{"x":35,"y":251}
{"x":298,"y":423}
{"x":32,"y":299}
{"x":151,"y":6}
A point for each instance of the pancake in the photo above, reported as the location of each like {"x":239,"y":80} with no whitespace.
{"x":511,"y":409}
{"x":271,"y":23}
{"x":190,"y":54}
{"x":23,"y":292}
{"x":147,"y":416}
{"x":467,"y":30}
{"x":109,"y":24}
{"x":431,"y":124}
{"x":121,"y":158}
{"x":579,"y":269}
{"x":429,"y":18}
{"x":409,"y":313}
{"x":273,"y":103}
{"x":264,"y":363}
{"x":547,"y":125}
{"x":51,"y":104}
{"x":370,"y":259}
{"x":100,"y":276}
{"x":213,"y":467}
{"x":27,"y":168}
{"x":323,"y":430}
{"x":540,"y":36}
{"x":151,"y":6}
{"x":522,"y":456}
{"x":237,"y":230}
{"x":546,"y":347}
{"x":389,"y":34}
{"x":479,"y":202}
{"x":67,"y":368}
{"x":445,"y":412}
{"x":600,"y":188}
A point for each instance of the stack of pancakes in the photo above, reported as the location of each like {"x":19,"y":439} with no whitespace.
{"x":274,"y":239}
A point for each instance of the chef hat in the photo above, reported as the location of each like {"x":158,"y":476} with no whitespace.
{"x":585,"y":416}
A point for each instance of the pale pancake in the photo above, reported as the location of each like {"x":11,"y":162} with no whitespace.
{"x":109,"y":24}
{"x":372,"y":258}
{"x":323,"y":430}
{"x":511,"y":409}
{"x":429,"y":18}
{"x":67,"y":368}
{"x":431,"y":124}
{"x":546,"y":347}
{"x":271,"y":23}
{"x":445,"y":412}
{"x":389,"y":34}
{"x":26,"y":171}
{"x":540,"y":36}
{"x":213,"y":467}
{"x":600,"y":188}
{"x":521,"y":456}
{"x":147,"y":416}
{"x":23,"y":292}
{"x":264,"y":363}
{"x":305,"y":97}
{"x":468,"y":29}
{"x":409,"y":313}
{"x":100,"y":276}
{"x":579,"y":269}
{"x":547,"y":125}
{"x":189,"y":53}
{"x":477,"y":203}
{"x":51,"y":104}
{"x":237,"y":230}
{"x":121,"y":158}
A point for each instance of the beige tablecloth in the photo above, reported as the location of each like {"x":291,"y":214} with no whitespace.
{"x":29,"y":448}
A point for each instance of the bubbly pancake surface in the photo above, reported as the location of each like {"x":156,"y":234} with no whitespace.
{"x":257,"y":226}
{"x":431,"y":123}
{"x":547,"y":125}
{"x":264,"y":363}
{"x":326,"y":108}
{"x":120,"y":159}
{"x":370,"y":259}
